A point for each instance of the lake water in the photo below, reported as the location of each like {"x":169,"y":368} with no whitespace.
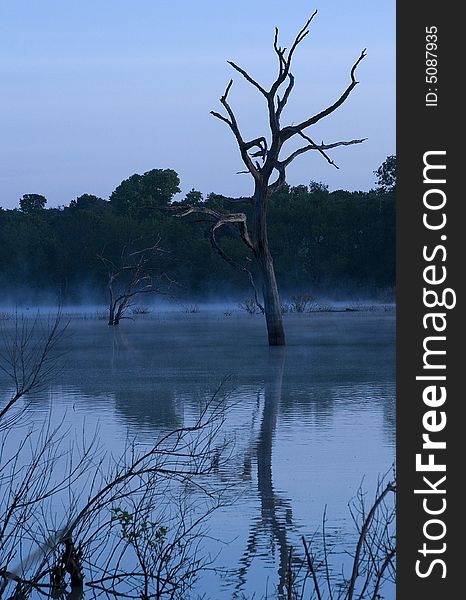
{"x":311,"y":421}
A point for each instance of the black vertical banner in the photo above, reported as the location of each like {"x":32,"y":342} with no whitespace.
{"x":430,"y":327}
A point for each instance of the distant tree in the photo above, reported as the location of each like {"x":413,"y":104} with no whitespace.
{"x":263,"y":158}
{"x":139,"y":195}
{"x":193,"y":197}
{"x":88,"y":202}
{"x":317,"y":187}
{"x":32,"y":203}
{"x":386,"y":174}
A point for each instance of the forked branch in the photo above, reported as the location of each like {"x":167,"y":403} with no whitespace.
{"x":219,"y":219}
{"x":239,"y":220}
{"x":233,"y":124}
{"x":276,"y":102}
{"x":291,"y":130}
{"x":320,"y":148}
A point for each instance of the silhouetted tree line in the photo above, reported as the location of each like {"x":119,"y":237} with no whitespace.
{"x":320,"y":240}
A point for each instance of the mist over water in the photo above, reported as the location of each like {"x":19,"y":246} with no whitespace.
{"x":310,"y":421}
{"x":89,"y":303}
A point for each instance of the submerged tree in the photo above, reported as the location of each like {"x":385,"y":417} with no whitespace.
{"x":134,"y":273}
{"x":263,"y":158}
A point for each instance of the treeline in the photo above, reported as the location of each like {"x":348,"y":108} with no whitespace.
{"x":320,"y":240}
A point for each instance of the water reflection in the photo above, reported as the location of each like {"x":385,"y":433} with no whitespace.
{"x":275,"y":511}
{"x":322,"y":411}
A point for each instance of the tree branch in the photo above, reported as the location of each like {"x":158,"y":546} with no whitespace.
{"x":280,"y":53}
{"x":282,"y":102}
{"x":281,"y":179}
{"x":390,"y":488}
{"x":285,"y":61}
{"x":238,"y":219}
{"x":291,"y":130}
{"x":233,"y":124}
{"x":300,"y":37}
{"x":320,"y":148}
{"x":220,"y":219}
{"x":249,"y":78}
{"x":229,"y":198}
{"x":311,"y":569}
{"x":221,"y":117}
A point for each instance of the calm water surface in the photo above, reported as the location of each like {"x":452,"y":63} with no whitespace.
{"x":310,"y":421}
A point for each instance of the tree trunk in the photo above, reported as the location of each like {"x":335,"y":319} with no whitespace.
{"x":122,"y":306}
{"x":111,"y":315}
{"x":272,"y":304}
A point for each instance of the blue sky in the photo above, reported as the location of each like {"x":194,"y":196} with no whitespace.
{"x":94,"y":91}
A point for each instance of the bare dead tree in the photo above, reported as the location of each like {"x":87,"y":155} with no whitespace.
{"x":262,"y":158}
{"x":133,"y":274}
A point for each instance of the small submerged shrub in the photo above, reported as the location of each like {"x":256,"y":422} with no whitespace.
{"x":300,"y":302}
{"x":285,"y":308}
{"x":141,"y":310}
{"x":191,"y":308}
{"x":249,"y":306}
{"x":322,"y":308}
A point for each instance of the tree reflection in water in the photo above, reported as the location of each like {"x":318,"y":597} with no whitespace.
{"x":270,"y":529}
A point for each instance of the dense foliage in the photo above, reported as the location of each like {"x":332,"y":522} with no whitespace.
{"x":320,"y":240}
